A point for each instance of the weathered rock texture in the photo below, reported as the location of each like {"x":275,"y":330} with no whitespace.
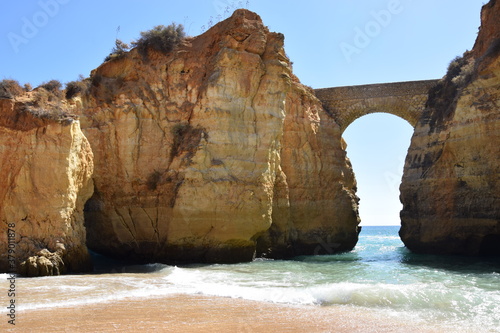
{"x":46,"y":167}
{"x":403,"y":99}
{"x":214,"y":152}
{"x":451,"y":184}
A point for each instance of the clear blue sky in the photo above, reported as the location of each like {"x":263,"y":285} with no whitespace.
{"x":403,"y":40}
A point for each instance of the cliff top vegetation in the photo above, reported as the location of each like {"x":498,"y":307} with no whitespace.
{"x":161,"y":38}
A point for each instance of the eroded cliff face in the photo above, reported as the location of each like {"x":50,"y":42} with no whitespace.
{"x":46,"y":166}
{"x":451,"y":185}
{"x":315,"y":210}
{"x":214,"y":152}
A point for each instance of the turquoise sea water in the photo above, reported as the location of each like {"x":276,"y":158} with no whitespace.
{"x":379,"y":274}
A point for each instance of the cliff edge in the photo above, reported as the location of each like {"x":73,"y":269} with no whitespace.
{"x":46,"y":165}
{"x":214,"y":152}
{"x":451,"y":186}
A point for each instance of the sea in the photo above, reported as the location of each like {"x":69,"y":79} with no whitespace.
{"x":380,"y":275}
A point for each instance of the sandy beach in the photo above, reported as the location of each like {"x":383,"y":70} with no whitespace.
{"x":185,"y":313}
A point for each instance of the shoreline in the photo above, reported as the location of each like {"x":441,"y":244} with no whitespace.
{"x":197,"y":313}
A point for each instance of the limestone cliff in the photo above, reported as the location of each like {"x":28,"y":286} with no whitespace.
{"x":46,"y":167}
{"x":213,"y":152}
{"x":451,"y":184}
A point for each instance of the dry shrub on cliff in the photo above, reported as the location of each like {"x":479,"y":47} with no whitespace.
{"x":460,"y":70}
{"x":46,"y":102}
{"x":53,"y":89}
{"x":74,"y":88}
{"x":43,"y":102}
{"x":186,"y":139}
{"x":10,"y":89}
{"x":57,"y":115}
{"x":48,"y":111}
{"x":118,"y":51}
{"x":454,"y":66}
{"x":161,"y":38}
{"x":443,"y":96}
{"x":53,"y":86}
{"x":465,"y":75}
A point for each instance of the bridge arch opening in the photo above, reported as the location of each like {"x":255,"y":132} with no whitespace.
{"x":377,"y":144}
{"x":403,"y":99}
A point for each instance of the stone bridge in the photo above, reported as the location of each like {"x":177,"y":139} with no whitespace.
{"x":402,"y":99}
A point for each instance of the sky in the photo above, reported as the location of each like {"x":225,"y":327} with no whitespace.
{"x":330,"y":42}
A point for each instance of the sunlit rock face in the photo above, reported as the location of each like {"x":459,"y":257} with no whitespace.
{"x":46,"y":166}
{"x":451,"y":184}
{"x":214,"y":152}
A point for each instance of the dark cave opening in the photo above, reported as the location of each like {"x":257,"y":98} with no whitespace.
{"x":490,"y":245}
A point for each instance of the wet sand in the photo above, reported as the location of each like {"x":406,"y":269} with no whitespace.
{"x":186,"y":313}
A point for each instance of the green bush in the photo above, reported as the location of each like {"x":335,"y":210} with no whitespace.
{"x":160,"y":38}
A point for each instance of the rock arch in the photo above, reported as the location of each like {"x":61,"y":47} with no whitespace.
{"x":402,"y":99}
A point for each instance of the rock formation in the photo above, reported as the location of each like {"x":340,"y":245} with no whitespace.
{"x":214,"y":152}
{"x":46,"y":166}
{"x":451,"y":185}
